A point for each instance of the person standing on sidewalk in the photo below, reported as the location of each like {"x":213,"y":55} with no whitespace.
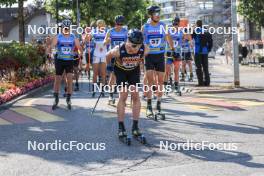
{"x":203,"y":45}
{"x":64,"y":44}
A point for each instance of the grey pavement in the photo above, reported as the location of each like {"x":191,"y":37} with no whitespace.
{"x":228,"y":119}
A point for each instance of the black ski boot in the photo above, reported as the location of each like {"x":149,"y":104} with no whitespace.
{"x":149,"y":111}
{"x":159,"y":114}
{"x":122,"y":134}
{"x":68,"y":101}
{"x":56,"y":101}
{"x":182,"y":77}
{"x":191,"y":77}
{"x":65,"y":92}
{"x":76,"y":87}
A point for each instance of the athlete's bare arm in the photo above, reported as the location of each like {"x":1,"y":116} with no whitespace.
{"x":170,"y":41}
{"x":113,"y":53}
{"x":107,"y":38}
{"x":77,"y":43}
{"x":53,"y":44}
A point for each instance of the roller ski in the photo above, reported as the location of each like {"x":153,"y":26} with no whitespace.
{"x":68,"y":101}
{"x":149,"y":113}
{"x":76,"y":87}
{"x":159,"y":114}
{"x":111,"y":100}
{"x":177,"y":89}
{"x":138,"y":135}
{"x":182,"y":77}
{"x":123,"y":137}
{"x":56,"y":101}
{"x":191,"y":77}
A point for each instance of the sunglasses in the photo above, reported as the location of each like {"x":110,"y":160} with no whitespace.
{"x":135,"y":45}
{"x":156,"y":14}
{"x":119,"y":24}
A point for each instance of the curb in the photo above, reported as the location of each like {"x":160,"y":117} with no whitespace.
{"x":234,"y":90}
{"x":28,"y":94}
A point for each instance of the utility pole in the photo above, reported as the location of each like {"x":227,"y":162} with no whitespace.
{"x":235,"y":44}
{"x":57,"y":12}
{"x":78,"y":13}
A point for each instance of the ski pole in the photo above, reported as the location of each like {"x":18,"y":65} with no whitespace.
{"x":96,"y":103}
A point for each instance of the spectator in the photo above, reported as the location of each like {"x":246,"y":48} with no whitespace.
{"x":203,"y":45}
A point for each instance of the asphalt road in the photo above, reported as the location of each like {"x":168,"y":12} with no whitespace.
{"x":231,"y":119}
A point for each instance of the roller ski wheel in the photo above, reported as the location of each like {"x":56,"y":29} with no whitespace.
{"x":69,"y":107}
{"x":54,"y":107}
{"x":122,"y":136}
{"x":76,"y":89}
{"x":111,"y":102}
{"x":139,"y":136}
{"x":55,"y":104}
{"x":160,"y":115}
{"x":178,"y":91}
{"x":150,"y":114}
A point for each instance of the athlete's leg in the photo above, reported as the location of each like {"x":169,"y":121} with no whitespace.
{"x":160,"y":83}
{"x":150,"y":83}
{"x":95,"y":75}
{"x":121,"y":105}
{"x":176,"y":70}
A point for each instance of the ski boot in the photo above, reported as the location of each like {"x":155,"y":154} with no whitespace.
{"x":138,"y":135}
{"x":76,"y":87}
{"x":93,"y":94}
{"x":56,"y":101}
{"x":111,"y":100}
{"x":122,"y":135}
{"x":182,"y":77}
{"x":159,"y":114}
{"x":68,"y":101}
{"x":149,"y":112}
{"x":65,"y":92}
{"x":191,"y":77}
{"x":177,"y":90}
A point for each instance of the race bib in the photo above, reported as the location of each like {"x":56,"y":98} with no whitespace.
{"x":66,"y":50}
{"x":116,"y":43}
{"x":155,"y":42}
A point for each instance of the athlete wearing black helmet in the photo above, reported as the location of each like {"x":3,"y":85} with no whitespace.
{"x":115,"y":37}
{"x":155,"y":37}
{"x":128,"y":57}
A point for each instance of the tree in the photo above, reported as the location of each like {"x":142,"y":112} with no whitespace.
{"x":253,"y":10}
{"x":21,"y":26}
{"x":91,"y":10}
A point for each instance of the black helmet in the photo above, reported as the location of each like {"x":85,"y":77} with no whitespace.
{"x":119,"y":19}
{"x":152,"y":9}
{"x":135,"y":36}
{"x":176,"y":21}
{"x":66,"y":23}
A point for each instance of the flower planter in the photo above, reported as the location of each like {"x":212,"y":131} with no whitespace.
{"x":17,"y":91}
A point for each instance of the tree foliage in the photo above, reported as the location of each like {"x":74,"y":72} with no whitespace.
{"x":90,"y":10}
{"x":253,"y":10}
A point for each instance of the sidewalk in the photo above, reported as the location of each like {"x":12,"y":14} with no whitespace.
{"x":251,"y":78}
